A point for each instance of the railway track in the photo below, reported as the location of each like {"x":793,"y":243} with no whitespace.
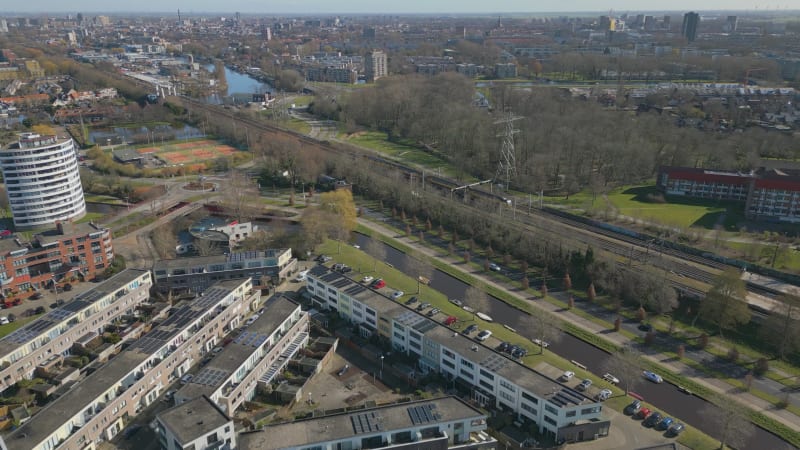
{"x":634,"y":246}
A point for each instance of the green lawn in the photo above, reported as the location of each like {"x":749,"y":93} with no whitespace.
{"x":377,"y":140}
{"x":297,"y":125}
{"x":635,"y":202}
{"x":13,"y":326}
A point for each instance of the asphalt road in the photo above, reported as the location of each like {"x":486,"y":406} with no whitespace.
{"x":665,"y":397}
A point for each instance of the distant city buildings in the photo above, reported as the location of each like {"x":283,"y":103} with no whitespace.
{"x":689,"y":27}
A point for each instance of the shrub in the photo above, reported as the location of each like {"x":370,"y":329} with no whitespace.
{"x":591,"y":295}
{"x":567,"y":281}
{"x":649,"y":338}
{"x":702,"y":341}
{"x":681,"y":351}
{"x":761,"y":367}
{"x":641,"y":314}
{"x":617,"y":324}
{"x":525,"y":283}
{"x":544,"y":289}
{"x":571,"y":302}
{"x":733,"y":354}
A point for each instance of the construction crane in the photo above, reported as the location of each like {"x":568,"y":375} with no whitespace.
{"x":747,"y":73}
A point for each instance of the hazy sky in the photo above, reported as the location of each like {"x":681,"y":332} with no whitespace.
{"x":391,"y":6}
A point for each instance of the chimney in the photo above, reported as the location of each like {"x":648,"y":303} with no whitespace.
{"x":59,"y":227}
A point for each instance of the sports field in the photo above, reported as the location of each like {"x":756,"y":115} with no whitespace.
{"x":185,"y":153}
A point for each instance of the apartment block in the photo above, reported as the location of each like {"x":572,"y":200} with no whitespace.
{"x":198,"y":273}
{"x":97,"y":408}
{"x":252,"y":359}
{"x":768,"y":194}
{"x":42,"y":181}
{"x":198,"y":424}
{"x":68,"y":251}
{"x":436,"y":424}
{"x":495,"y":380}
{"x":53,"y":334}
{"x":375,"y":65}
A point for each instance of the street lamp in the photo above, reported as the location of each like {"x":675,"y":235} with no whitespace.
{"x":381,"y":367}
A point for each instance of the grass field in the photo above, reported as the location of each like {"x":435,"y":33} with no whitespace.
{"x":188,"y":153}
{"x":377,"y":140}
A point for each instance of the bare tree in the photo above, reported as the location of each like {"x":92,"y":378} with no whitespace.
{"x":725,"y":304}
{"x":422,"y":269}
{"x":782,"y":327}
{"x":204,"y":247}
{"x":545,"y":328}
{"x":164,"y":241}
{"x":625,"y":364}
{"x":377,"y":250}
{"x":729,"y":421}
{"x":476,"y":299}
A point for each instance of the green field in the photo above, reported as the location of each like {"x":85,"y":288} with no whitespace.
{"x":404,"y":151}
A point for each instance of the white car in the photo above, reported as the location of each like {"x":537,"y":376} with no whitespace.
{"x":397,"y":294}
{"x":543,"y":344}
{"x":367,"y":279}
{"x":650,"y":376}
{"x":4,"y":320}
{"x":611,"y":378}
{"x":186,"y":378}
{"x":605,"y":394}
{"x":566,"y":376}
{"x":483,"y":335}
{"x":494,"y":267}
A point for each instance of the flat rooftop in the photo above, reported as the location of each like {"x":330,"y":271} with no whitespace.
{"x":234,"y":355}
{"x":199,"y":261}
{"x":193,"y":419}
{"x":366,"y":422}
{"x":71,"y":308}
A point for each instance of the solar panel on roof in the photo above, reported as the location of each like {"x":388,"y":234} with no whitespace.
{"x":366,"y":422}
{"x":211,"y":377}
{"x":422,"y":414}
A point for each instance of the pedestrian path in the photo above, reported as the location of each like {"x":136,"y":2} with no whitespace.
{"x":716,"y":385}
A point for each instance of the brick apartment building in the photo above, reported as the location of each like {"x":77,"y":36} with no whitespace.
{"x":768,"y":194}
{"x":69,"y":252}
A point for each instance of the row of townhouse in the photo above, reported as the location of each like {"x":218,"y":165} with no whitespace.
{"x":768,"y":194}
{"x":436,"y":424}
{"x":495,"y":380}
{"x":96,"y":409}
{"x":54,"y":333}
{"x":198,"y":273}
{"x":252,"y":359}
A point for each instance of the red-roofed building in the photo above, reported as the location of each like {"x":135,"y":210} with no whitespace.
{"x":768,"y":194}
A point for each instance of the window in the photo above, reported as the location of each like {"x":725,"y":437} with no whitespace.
{"x":530,"y":398}
{"x":570,"y":413}
{"x":489,"y":376}
{"x":551,"y":409}
{"x":549,"y":420}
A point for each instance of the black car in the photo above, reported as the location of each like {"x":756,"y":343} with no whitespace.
{"x":411,"y":301}
{"x":39,"y":310}
{"x":633,"y":407}
{"x":653,"y":419}
{"x":503,"y":347}
{"x":470,"y":329}
{"x":36,"y":296}
{"x":67,"y":287}
{"x":646,"y":327}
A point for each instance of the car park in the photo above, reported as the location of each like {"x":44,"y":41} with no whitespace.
{"x":584,"y":385}
{"x":665,"y":423}
{"x":603,"y":395}
{"x":566,"y":376}
{"x":186,"y":378}
{"x":483,"y":335}
{"x":470,"y":329}
{"x":397,"y":294}
{"x":367,"y":279}
{"x":456,"y":302}
{"x":433,"y":312}
{"x":632,"y":408}
{"x":650,"y":376}
{"x":643,"y":413}
{"x":653,"y":419}
{"x":494,"y":267}
{"x":611,"y":378}
{"x":675,"y":429}
{"x":411,"y":301}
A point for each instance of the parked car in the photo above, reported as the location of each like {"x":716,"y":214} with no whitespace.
{"x":131,"y":430}
{"x":411,"y":301}
{"x":483,"y":335}
{"x":186,"y":378}
{"x":470,"y":329}
{"x":675,"y":429}
{"x":456,"y":302}
{"x":650,"y":376}
{"x":378,"y":284}
{"x":646,"y":327}
{"x":433,"y":312}
{"x":67,"y":287}
{"x":584,"y":384}
{"x":566,"y":376}
{"x":343,"y":370}
{"x":643,"y":413}
{"x":12,"y":318}
{"x":216,"y":350}
{"x":250,"y":321}
{"x":367,"y":279}
{"x":397,"y":294}
{"x":603,"y":395}
{"x":494,"y":267}
{"x":684,"y":390}
{"x":519,"y":352}
{"x":450,"y":320}
{"x":503,"y":347}
{"x":653,"y":419}
{"x":543,"y":344}
{"x":611,"y":378}
{"x":632,"y":408}
{"x":40,"y":310}
{"x":4,"y":320}
{"x":346,"y":269}
{"x":422,"y":306}
{"x":169,"y":395}
{"x":36,"y":296}
{"x":665,"y":423}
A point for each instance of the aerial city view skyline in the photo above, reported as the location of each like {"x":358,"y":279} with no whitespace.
{"x":450,"y":225}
